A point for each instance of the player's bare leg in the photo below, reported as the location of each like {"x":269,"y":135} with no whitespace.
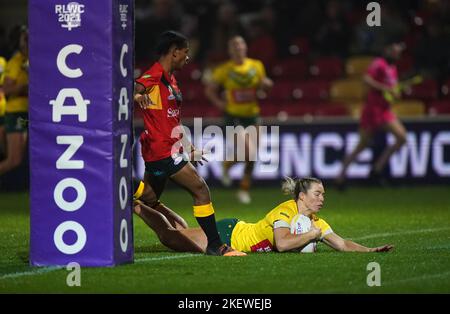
{"x":197,"y":236}
{"x":167,"y":234}
{"x":251,"y":147}
{"x":364,"y":139}
{"x":175,"y":220}
{"x":16,"y":145}
{"x":227,"y":164}
{"x":150,"y":196}
{"x":399,"y":131}
{"x":189,"y":179}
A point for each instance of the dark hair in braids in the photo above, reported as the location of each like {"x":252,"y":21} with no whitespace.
{"x":295,"y":186}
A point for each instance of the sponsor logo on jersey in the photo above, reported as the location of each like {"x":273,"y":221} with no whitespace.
{"x":173,"y":113}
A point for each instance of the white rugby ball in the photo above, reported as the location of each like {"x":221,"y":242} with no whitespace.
{"x":301,"y":224}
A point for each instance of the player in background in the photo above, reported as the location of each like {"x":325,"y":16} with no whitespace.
{"x":2,"y":109}
{"x":382,"y":79}
{"x":15,"y":87}
{"x":272,"y":233}
{"x":159,"y":98}
{"x":241,"y":77}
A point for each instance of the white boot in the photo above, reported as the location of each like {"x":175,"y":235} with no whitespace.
{"x":244,"y":197}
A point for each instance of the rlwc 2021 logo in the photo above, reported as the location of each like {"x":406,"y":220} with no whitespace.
{"x":69,"y":15}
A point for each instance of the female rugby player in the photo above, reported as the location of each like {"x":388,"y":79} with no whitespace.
{"x":382,"y":79}
{"x":159,"y":98}
{"x":272,"y":233}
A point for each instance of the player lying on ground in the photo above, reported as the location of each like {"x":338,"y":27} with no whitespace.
{"x":272,"y":233}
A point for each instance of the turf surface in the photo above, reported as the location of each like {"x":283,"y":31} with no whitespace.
{"x":416,"y":220}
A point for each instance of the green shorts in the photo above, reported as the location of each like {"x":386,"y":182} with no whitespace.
{"x":2,"y":120}
{"x":231,"y":120}
{"x":225,"y":228}
{"x":16,"y":122}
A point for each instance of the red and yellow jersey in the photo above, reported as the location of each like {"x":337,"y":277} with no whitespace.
{"x":162,"y":116}
{"x":240,"y":82}
{"x":258,"y":237}
{"x":2,"y":94}
{"x":17,"y":70}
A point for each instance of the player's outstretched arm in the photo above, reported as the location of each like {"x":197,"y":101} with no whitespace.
{"x":339,"y":244}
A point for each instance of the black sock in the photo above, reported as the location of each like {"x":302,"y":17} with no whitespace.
{"x":208,"y":224}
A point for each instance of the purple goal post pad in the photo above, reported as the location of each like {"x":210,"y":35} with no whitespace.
{"x":80,"y":92}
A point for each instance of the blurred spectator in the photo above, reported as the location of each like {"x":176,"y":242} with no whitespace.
{"x":225,"y":26}
{"x":153,"y":18}
{"x":15,"y":86}
{"x":2,"y":109}
{"x":432,"y":51}
{"x":261,"y":46}
{"x":334,"y":35}
{"x":3,"y":42}
{"x":371,"y":40}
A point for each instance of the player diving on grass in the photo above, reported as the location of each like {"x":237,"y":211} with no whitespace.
{"x":272,"y":233}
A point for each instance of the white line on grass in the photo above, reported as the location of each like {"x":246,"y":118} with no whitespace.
{"x":45,"y":270}
{"x":390,"y":234}
{"x":39,"y":271}
{"x":421,"y":278}
{"x":150,"y":259}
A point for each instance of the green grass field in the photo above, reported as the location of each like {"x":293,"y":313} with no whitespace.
{"x":416,"y":220}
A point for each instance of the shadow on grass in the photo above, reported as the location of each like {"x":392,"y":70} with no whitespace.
{"x":24,"y":257}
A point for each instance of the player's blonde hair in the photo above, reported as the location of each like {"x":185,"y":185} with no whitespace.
{"x":293,"y":187}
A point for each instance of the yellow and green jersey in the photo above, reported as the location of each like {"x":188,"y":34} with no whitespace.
{"x":2,"y":94}
{"x":240,"y":82}
{"x":258,"y":237}
{"x":17,"y":70}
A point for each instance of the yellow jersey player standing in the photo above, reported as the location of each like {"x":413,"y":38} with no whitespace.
{"x":15,"y":87}
{"x":240,"y":77}
{"x":2,"y":109}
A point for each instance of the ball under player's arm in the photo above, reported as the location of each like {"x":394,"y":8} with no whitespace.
{"x":339,"y":244}
{"x":285,"y":241}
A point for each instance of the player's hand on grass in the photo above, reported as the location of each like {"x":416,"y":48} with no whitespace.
{"x":143,"y":100}
{"x":384,"y":248}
